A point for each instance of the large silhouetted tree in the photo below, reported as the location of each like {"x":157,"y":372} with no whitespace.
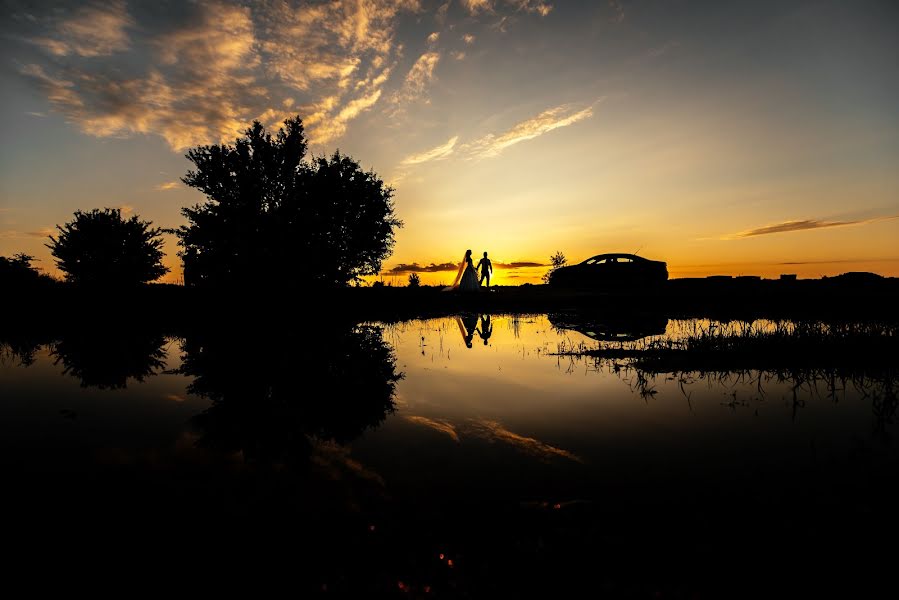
{"x":272,"y":216}
{"x":101,"y":248}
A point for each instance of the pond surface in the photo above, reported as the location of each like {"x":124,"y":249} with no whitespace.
{"x":455,"y":456}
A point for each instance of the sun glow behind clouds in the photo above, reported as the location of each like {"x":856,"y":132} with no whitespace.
{"x":484,"y":116}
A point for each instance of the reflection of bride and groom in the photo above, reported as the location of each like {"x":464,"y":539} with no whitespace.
{"x":468,"y":326}
{"x":467,"y":278}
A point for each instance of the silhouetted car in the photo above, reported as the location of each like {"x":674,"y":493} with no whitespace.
{"x":610,"y":271}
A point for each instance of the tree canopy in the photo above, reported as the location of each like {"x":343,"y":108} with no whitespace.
{"x":273,"y":217}
{"x":99,"y":247}
{"x":16,"y":272}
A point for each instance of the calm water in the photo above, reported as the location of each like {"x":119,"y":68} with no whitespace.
{"x":460,"y":456}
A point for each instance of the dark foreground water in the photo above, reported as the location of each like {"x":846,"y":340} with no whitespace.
{"x":454,"y":457}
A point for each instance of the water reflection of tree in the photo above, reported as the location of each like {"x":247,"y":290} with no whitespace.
{"x":273,"y":395}
{"x":18,"y":349}
{"x":107,"y":357}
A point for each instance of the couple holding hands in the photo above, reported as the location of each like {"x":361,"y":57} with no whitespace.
{"x":467,"y":278}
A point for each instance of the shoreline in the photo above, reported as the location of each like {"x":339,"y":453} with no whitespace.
{"x":175,"y":308}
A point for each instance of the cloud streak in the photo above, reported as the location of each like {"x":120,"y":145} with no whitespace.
{"x":451,"y":266}
{"x":13,"y":234}
{"x":438,"y":153}
{"x":417,"y":268}
{"x":802,"y":225}
{"x":518,"y":265}
{"x":418,"y":79}
{"x":493,"y":145}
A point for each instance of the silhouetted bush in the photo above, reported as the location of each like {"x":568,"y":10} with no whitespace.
{"x":272,"y":215}
{"x":556,"y":261}
{"x":17,"y":273}
{"x":101,"y":248}
{"x":414,"y":280}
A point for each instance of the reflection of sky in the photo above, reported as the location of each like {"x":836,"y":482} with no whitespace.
{"x":513,"y":399}
{"x":42,"y":407}
{"x":498,"y":411}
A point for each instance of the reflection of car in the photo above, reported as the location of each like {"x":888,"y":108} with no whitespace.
{"x":609,"y":328}
{"x":610,"y":271}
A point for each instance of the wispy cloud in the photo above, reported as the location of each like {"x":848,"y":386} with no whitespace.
{"x":219,"y":66}
{"x":201,"y":74}
{"x":442,"y":10}
{"x":494,"y":431}
{"x":92,"y":30}
{"x":328,"y":124}
{"x":803,"y":225}
{"x":518,"y":265}
{"x":418,"y":79}
{"x":168,"y":185}
{"x":663,"y":49}
{"x":492,"y":145}
{"x":561,"y":116}
{"x":468,"y":39}
{"x":440,"y":152}
{"x":836,"y":261}
{"x":438,"y":425}
{"x":476,"y":7}
{"x":451,"y":266}
{"x":617,"y":11}
{"x":39,"y":233}
{"x":343,"y":50}
{"x":532,"y":6}
{"x":199,"y":88}
{"x":417,"y":268}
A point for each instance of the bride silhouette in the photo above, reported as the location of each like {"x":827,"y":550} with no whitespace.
{"x":468,"y":326}
{"x":467,"y":277}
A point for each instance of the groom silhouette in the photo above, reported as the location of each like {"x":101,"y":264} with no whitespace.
{"x":486,"y":328}
{"x":486,"y":268}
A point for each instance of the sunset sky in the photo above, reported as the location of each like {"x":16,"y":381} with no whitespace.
{"x":722,"y":137}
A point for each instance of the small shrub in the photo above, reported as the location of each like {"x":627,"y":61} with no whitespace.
{"x":556,"y":261}
{"x":101,"y":248}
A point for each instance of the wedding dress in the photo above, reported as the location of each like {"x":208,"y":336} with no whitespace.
{"x":467,"y":277}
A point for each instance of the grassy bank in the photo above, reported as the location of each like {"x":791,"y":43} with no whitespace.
{"x":177,"y":307}
{"x":849,"y":347}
